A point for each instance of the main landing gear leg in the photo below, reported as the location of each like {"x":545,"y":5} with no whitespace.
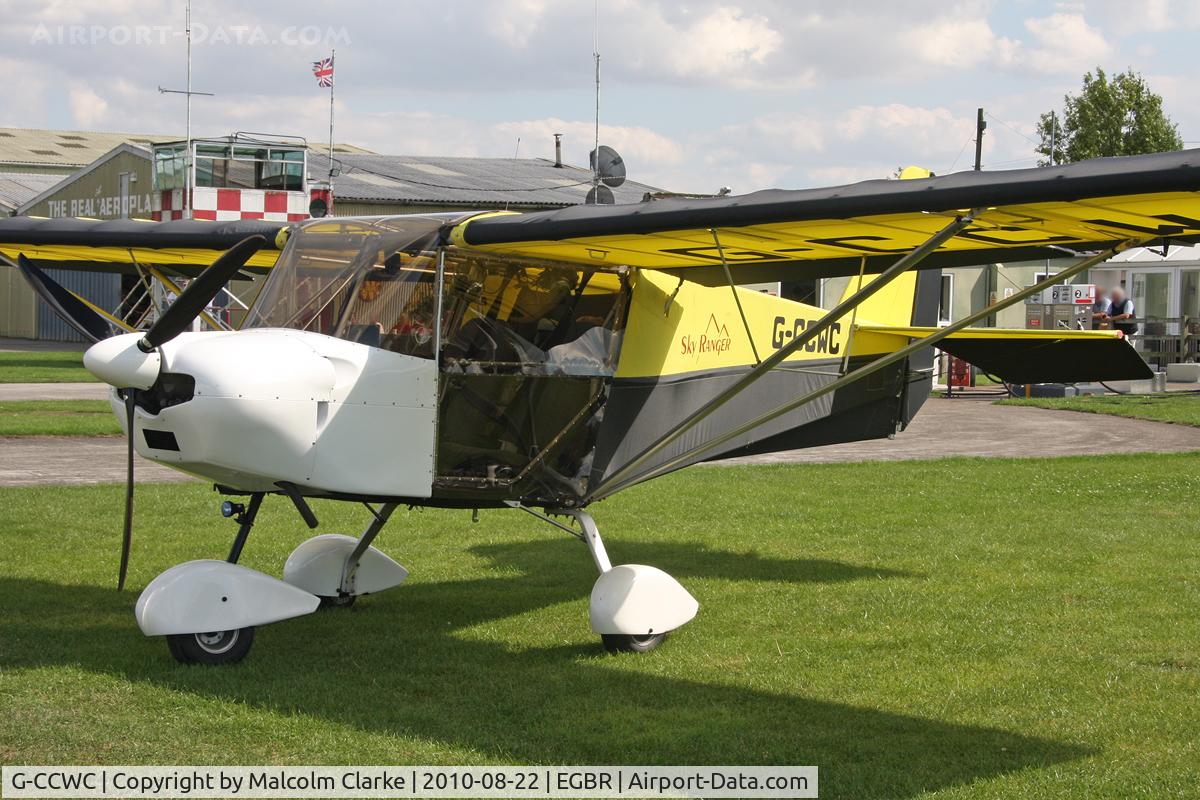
{"x":245,"y":519}
{"x":346,"y":588}
{"x":633,"y":607}
{"x":338,"y":568}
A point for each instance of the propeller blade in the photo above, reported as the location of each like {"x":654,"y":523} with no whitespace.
{"x":200,"y":292}
{"x":127,"y":536}
{"x":65,"y":303}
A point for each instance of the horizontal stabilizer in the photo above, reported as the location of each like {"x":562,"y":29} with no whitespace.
{"x":1020,"y":356}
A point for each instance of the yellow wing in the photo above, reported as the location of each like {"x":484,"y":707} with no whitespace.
{"x":1028,"y":213}
{"x":185,"y":247}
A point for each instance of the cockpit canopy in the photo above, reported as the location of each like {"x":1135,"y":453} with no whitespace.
{"x":374,"y":281}
{"x":341,"y":277}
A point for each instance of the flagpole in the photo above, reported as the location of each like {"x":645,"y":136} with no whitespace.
{"x":333,"y":80}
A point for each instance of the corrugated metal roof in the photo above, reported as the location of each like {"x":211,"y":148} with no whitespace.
{"x":64,"y":148}
{"x":70,"y":149}
{"x":17,"y":188}
{"x":463,"y":181}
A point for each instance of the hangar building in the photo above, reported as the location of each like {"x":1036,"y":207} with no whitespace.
{"x":117,"y":175}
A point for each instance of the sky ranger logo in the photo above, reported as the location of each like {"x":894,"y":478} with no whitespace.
{"x":826,"y":341}
{"x":714,"y":340}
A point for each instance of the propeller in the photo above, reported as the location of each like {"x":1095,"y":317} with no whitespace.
{"x":180,"y":314}
{"x":174,"y":321}
{"x":68,"y":305}
{"x":127,"y":533}
{"x":94,"y":326}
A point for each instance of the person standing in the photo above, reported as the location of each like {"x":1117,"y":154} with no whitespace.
{"x":1101,"y":307}
{"x":1122,"y":312}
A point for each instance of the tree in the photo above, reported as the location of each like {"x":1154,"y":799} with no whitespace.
{"x":1109,"y":117}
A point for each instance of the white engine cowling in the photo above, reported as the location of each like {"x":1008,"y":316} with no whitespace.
{"x":639,"y":600}
{"x":206,"y":596}
{"x":316,"y":566}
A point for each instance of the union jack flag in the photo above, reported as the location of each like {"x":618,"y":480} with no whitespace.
{"x":323,"y":69}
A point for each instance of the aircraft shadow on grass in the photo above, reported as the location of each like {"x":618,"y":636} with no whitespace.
{"x":681,"y":560}
{"x":402,"y":664}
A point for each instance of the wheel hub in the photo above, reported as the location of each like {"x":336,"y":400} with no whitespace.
{"x":217,"y":642}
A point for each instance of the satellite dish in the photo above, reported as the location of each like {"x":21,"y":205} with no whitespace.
{"x":600,"y":195}
{"x":610,"y":166}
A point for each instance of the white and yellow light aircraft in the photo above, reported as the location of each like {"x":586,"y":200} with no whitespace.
{"x":545,"y":361}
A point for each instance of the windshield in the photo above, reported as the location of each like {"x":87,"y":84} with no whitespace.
{"x":369,"y":281}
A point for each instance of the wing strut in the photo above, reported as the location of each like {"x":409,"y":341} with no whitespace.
{"x":736,"y":299}
{"x":610,"y":486}
{"x":629,"y":473}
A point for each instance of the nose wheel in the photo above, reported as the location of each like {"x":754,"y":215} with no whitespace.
{"x":217,"y":647}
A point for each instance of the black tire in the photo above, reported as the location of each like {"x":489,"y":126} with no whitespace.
{"x":629,"y":643}
{"x":337,"y":601}
{"x":219,"y":647}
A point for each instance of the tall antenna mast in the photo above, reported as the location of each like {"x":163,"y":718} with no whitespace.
{"x":596,"y":56}
{"x":187,"y":158}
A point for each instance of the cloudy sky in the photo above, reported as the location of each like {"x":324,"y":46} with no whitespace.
{"x":695,"y":95}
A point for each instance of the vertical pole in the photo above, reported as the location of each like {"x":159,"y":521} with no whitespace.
{"x":596,"y":56}
{"x":332,"y":82}
{"x":980,"y":127}
{"x":187,"y":159}
{"x":596,"y":145}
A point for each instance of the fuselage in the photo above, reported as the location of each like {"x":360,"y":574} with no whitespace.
{"x":378,"y":362}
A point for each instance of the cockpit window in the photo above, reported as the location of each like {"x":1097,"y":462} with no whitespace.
{"x":368,"y":281}
{"x":535,"y":318}
{"x":528,"y":349}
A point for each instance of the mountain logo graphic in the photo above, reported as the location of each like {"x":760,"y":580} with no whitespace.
{"x":714,"y":325}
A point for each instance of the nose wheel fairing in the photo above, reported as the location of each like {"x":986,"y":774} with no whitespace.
{"x":206,"y":596}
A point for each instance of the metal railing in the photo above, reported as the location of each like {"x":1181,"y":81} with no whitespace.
{"x":1167,"y":340}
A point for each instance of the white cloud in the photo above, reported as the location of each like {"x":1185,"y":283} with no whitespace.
{"x":88,"y":109}
{"x":725,"y":41}
{"x":515,"y":22}
{"x":958,"y":43}
{"x":697,"y":94}
{"x":1147,"y":16}
{"x":22,"y":102}
{"x":1066,"y":43}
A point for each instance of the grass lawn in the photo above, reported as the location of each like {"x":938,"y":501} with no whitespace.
{"x":58,"y":418}
{"x":963,"y":629}
{"x":1183,"y":409}
{"x":43,"y":367}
